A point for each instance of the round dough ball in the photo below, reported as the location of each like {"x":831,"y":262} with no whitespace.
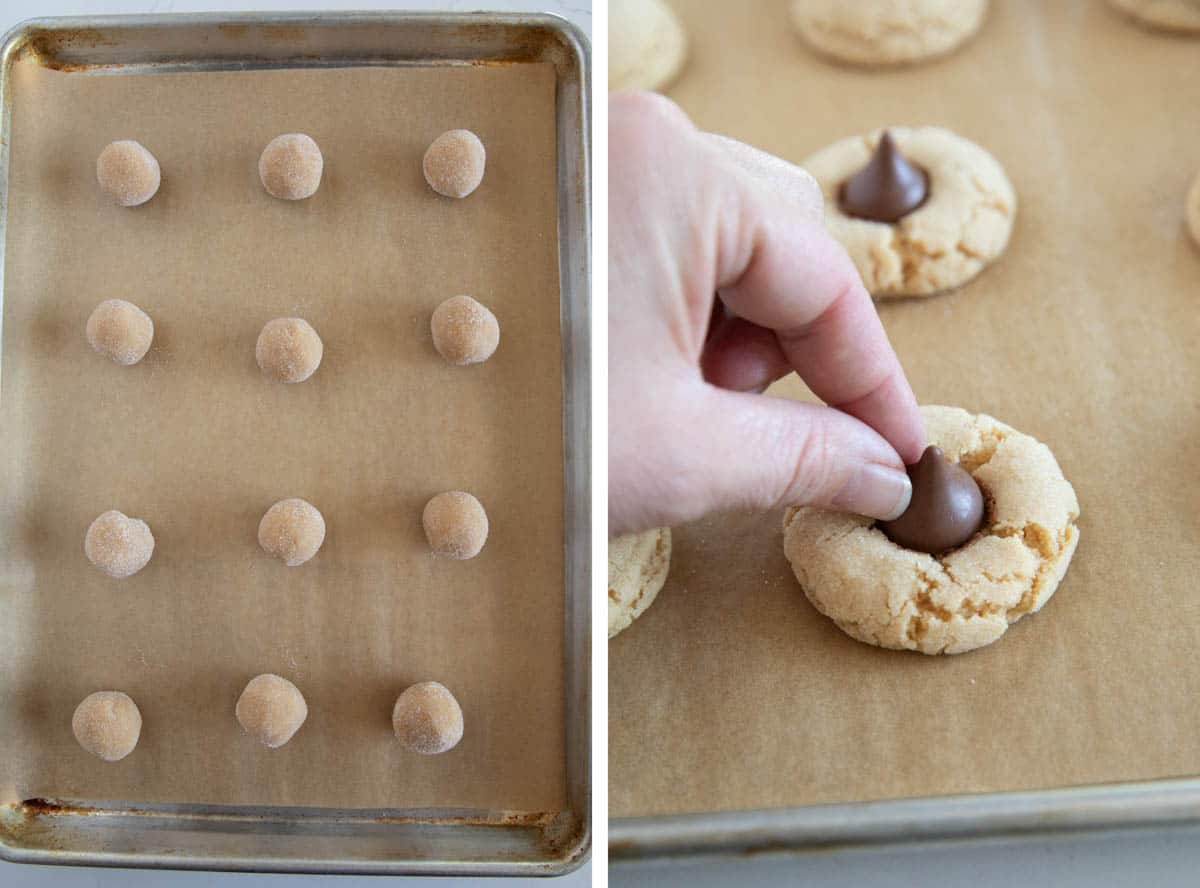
{"x":292,"y":530}
{"x":288,"y":350}
{"x":637,"y":569}
{"x":107,"y":724}
{"x":647,"y":45}
{"x":454,"y":163}
{"x":1182,"y":16}
{"x":127,"y":171}
{"x":121,"y":331}
{"x":455,"y":525}
{"x":884,"y":32}
{"x":427,"y":719}
{"x":119,"y":545}
{"x":290,"y":167}
{"x":1193,"y":210}
{"x":884,"y":594}
{"x":464,"y":331}
{"x":961,"y":228}
{"x":271,"y":710}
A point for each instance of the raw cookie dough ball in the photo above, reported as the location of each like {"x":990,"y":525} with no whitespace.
{"x":464,"y":331}
{"x":271,"y":710}
{"x":637,"y":568}
{"x":1193,"y":210}
{"x":290,"y":167}
{"x":107,"y":724}
{"x":883,"y":594}
{"x":455,"y":525}
{"x":128,"y":172}
{"x":886,"y":32}
{"x":961,"y":228}
{"x":1169,"y":15}
{"x":427,"y":719}
{"x":121,"y":331}
{"x":646,"y":45}
{"x":119,"y":545}
{"x":292,"y":530}
{"x":288,"y":350}
{"x":454,"y":163}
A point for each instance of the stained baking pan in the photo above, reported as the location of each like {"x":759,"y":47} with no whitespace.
{"x":740,"y":719}
{"x":375,"y":613}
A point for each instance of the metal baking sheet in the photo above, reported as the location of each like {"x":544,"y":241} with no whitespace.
{"x":742,"y":720}
{"x":425,"y":838}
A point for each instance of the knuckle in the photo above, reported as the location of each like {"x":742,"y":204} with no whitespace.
{"x":645,"y":120}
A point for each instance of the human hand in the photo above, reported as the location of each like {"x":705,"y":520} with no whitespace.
{"x":692,"y":215}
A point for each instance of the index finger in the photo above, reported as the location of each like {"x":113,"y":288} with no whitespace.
{"x":784,"y":271}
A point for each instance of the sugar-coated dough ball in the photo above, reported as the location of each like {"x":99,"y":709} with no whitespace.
{"x":455,"y":524}
{"x":292,"y":531}
{"x":119,"y":545}
{"x":271,"y":710}
{"x":289,"y":350}
{"x":454,"y":163}
{"x":121,"y":331}
{"x":427,"y":719}
{"x":107,"y":724}
{"x":290,"y":166}
{"x":464,"y":331}
{"x":128,"y":172}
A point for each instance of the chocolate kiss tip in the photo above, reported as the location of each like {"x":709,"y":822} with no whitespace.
{"x":887,"y":189}
{"x":946,"y":507}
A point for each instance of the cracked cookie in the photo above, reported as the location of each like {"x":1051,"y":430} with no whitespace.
{"x":637,"y":568}
{"x":646,"y":45}
{"x":1169,"y":15}
{"x":886,"y":32}
{"x":892,"y":597}
{"x":961,"y":227}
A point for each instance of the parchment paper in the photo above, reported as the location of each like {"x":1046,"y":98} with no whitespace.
{"x":198,"y":443}
{"x":732,"y":691}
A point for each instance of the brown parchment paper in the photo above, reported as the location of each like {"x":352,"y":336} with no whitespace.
{"x":198,"y":443}
{"x":732,"y":692}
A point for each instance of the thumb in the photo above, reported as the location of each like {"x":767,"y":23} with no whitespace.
{"x":755,"y":451}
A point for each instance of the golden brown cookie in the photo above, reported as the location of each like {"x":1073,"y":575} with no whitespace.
{"x":883,"y":594}
{"x":637,"y":568}
{"x":963,"y":225}
{"x":886,"y":32}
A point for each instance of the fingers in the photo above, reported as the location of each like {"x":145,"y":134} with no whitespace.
{"x":731,"y":450}
{"x":789,"y":275}
{"x":787,"y":180}
{"x":743,"y":357}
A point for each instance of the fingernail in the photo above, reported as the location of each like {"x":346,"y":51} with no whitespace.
{"x":876,"y":491}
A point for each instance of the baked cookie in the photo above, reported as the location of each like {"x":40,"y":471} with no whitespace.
{"x":886,"y":32}
{"x":886,"y":595}
{"x":961,"y":227}
{"x":637,"y":568}
{"x":646,"y":44}
{"x":1169,"y":15}
{"x":1193,"y":210}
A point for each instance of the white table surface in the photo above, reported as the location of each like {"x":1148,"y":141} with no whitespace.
{"x":23,"y":876}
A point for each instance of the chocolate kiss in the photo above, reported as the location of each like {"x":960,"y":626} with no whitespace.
{"x":887,"y":189}
{"x":946,"y":507}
